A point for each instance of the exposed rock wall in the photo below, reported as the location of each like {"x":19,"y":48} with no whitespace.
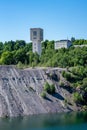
{"x":20,"y":92}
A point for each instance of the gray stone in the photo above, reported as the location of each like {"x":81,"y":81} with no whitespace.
{"x":20,"y":92}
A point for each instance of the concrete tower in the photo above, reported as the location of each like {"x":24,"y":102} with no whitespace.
{"x":36,"y":36}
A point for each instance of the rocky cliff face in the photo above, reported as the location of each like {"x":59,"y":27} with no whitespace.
{"x":20,"y":92}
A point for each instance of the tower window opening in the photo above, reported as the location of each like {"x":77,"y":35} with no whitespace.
{"x":34,"y":33}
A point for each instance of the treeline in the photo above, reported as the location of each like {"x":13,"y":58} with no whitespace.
{"x":12,"y":52}
{"x":78,"y":42}
{"x":15,"y":52}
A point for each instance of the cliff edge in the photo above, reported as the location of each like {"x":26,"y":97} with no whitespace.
{"x":20,"y":92}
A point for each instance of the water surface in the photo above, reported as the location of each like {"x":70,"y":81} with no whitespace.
{"x":68,"y":121}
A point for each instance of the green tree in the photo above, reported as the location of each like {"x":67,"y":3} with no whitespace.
{"x":7,"y":58}
{"x":1,"y":46}
{"x":9,"y":46}
{"x":20,"y":55}
{"x":19,"y":44}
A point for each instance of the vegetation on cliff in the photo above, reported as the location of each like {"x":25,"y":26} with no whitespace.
{"x":74,"y":59}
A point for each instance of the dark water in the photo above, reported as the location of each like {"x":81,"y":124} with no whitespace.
{"x":69,"y":121}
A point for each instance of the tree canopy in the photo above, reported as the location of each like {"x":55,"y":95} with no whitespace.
{"x":12,"y":52}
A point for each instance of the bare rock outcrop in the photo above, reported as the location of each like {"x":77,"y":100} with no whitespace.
{"x":20,"y":92}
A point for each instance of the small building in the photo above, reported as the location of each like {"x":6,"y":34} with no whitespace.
{"x":36,"y":36}
{"x":62,"y":44}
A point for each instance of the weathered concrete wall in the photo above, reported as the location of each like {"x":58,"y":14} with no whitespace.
{"x":20,"y":92}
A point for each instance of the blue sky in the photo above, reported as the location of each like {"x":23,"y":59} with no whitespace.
{"x":60,"y":19}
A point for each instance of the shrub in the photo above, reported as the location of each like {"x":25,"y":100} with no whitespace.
{"x":65,"y":101}
{"x":49,"y":88}
{"x":63,"y":73}
{"x":61,"y":84}
{"x":84,"y":84}
{"x":43,"y":94}
{"x":84,"y":108}
{"x":78,"y":98}
{"x":68,"y":76}
{"x":20,"y":65}
{"x":52,"y":89}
